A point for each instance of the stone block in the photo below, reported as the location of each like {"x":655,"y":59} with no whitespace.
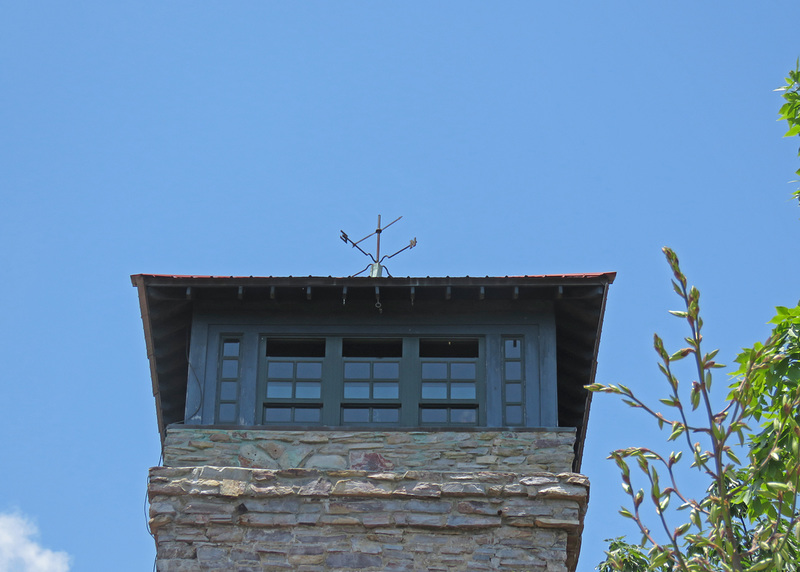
{"x":369,"y":461}
{"x":317,"y":488}
{"x":463,"y":489}
{"x":327,"y":462}
{"x":352,"y":560}
{"x":564,"y":491}
{"x":472,"y":522}
{"x":359,"y":489}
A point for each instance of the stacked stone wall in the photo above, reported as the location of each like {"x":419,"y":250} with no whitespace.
{"x":253,"y":500}
{"x":510,"y":451}
{"x":209,"y":518}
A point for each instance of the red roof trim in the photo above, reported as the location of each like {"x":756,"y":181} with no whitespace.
{"x":609,"y":275}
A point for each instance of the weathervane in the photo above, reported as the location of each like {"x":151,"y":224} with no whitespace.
{"x":376,"y":269}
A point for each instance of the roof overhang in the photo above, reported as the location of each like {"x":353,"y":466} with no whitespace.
{"x":167,"y":303}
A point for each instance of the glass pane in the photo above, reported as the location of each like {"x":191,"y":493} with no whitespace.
{"x":513,"y":371}
{"x":385,"y":415}
{"x":433,"y":415}
{"x":385,"y":370}
{"x":309,"y":370}
{"x":296,"y":347}
{"x":434,"y":391}
{"x":372,"y":347}
{"x":462,"y":391}
{"x":444,"y":348}
{"x":464,"y":416}
{"x":356,"y":370}
{"x":280,"y":369}
{"x":277,"y":414}
{"x":462,"y":371}
{"x":513,"y":348}
{"x":513,"y":415}
{"x":279,"y":389}
{"x":230,"y":349}
{"x":513,"y":393}
{"x":227,"y":413}
{"x":307,"y":390}
{"x":353,"y":415}
{"x":356,"y":390}
{"x":306,"y":415}
{"x":230,"y":368}
{"x":434,"y":370}
{"x":385,"y":391}
{"x":227,"y":391}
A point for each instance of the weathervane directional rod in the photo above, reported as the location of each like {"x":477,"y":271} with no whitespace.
{"x":376,"y":266}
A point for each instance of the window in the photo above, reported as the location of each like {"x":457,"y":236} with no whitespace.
{"x":449,"y":376}
{"x":228,"y":375}
{"x":374,"y":381}
{"x":481,"y":375}
{"x":293,"y":380}
{"x":513,"y":386}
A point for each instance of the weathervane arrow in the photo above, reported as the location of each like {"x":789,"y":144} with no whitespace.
{"x":376,"y":268}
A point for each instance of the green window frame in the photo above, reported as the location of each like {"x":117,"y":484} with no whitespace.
{"x":229,"y":373}
{"x":513,"y":374}
{"x":378,"y":381}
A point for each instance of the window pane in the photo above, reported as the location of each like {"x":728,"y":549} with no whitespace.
{"x":227,"y":391}
{"x":433,"y":415}
{"x":230,"y":349}
{"x":513,"y":393}
{"x":386,"y":370}
{"x":513,"y":415}
{"x":309,"y":370}
{"x":462,"y":391}
{"x":356,"y":390}
{"x":463,"y":416}
{"x":380,"y":415}
{"x":372,"y":347}
{"x":227,"y":412}
{"x":442,"y":347}
{"x":356,"y":370}
{"x":307,"y":390}
{"x":434,"y":391}
{"x":513,"y":371}
{"x":296,"y":347}
{"x":277,"y":414}
{"x":434,"y":371}
{"x":355,"y":415}
{"x":462,"y":371}
{"x":306,"y":415}
{"x":385,"y":391}
{"x":279,"y":389}
{"x":513,"y":348}
{"x":230,"y":368}
{"x":280,"y":369}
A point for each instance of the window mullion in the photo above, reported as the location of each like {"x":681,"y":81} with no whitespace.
{"x":332,"y":385}
{"x":410,"y":383}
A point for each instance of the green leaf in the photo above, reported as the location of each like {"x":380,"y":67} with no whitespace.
{"x":677,"y":430}
{"x":795,"y":130}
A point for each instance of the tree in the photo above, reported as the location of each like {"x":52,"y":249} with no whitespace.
{"x":790,"y":111}
{"x":749,"y":518}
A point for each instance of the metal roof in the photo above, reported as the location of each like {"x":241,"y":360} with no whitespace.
{"x":167,"y":303}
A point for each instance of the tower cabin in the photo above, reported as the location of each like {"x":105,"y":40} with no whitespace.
{"x":376,"y":423}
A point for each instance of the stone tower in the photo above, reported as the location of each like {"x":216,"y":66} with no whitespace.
{"x":370,"y":423}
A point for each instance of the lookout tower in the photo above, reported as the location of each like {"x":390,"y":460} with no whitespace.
{"x":373,"y":423}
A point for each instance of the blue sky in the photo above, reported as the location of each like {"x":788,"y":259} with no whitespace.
{"x":238,"y":138}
